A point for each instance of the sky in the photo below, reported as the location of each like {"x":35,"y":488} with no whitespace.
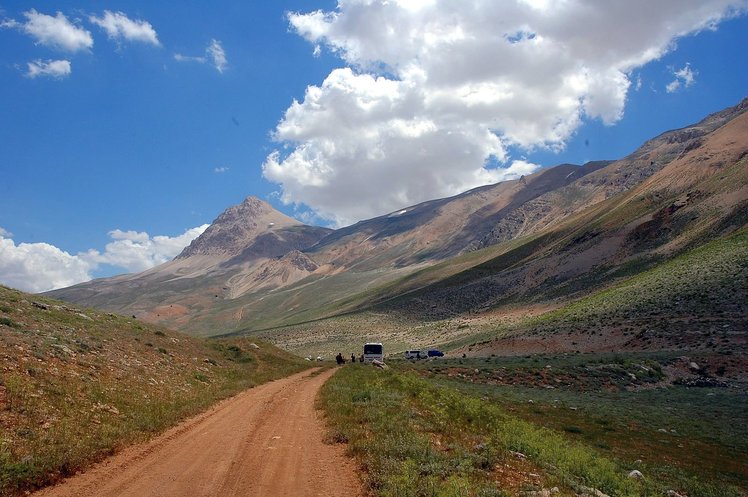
{"x":126,"y":127}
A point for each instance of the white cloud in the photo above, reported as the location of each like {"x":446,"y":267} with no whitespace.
{"x":52,"y":68}
{"x":214,"y":54}
{"x":188,"y":58}
{"x":684,"y":77}
{"x":38,"y":267}
{"x":220,"y":170}
{"x":55,"y":32}
{"x":437,"y":91}
{"x":138,"y":251}
{"x":5,"y":233}
{"x":217,"y":55}
{"x":118,"y":26}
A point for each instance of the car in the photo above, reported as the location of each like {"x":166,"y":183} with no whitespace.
{"x":435,"y":353}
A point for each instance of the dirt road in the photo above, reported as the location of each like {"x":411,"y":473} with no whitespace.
{"x":266,"y":441}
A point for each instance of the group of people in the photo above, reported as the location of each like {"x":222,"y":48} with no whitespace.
{"x":340,"y":360}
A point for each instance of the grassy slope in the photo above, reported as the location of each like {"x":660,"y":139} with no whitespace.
{"x":696,"y":300}
{"x":421,"y":437}
{"x":76,"y":385}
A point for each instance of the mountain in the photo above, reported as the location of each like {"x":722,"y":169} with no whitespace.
{"x":237,"y":272}
{"x":217,"y":265}
{"x":658,"y":262}
{"x":544,"y":240}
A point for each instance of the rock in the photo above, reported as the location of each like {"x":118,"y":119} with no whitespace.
{"x":635,"y":473}
{"x":592,"y":492}
{"x":673,"y":493}
{"x":40,"y":305}
{"x":81,"y":315}
{"x":518,"y":455}
{"x":693,"y":366}
{"x":254,"y":345}
{"x":537,"y":493}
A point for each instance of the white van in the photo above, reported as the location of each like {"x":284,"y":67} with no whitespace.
{"x":373,"y":352}
{"x":415,"y":354}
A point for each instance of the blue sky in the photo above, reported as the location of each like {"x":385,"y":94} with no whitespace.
{"x":127,"y":126}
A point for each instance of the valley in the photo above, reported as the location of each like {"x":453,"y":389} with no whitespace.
{"x":594,"y":319}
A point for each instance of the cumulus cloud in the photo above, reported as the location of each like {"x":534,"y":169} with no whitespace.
{"x":120,"y":27}
{"x":214,"y":54}
{"x":38,"y":267}
{"x":684,"y":78}
{"x":219,"y":170}
{"x":137,"y":251}
{"x":436,"y":92}
{"x":51,"y":68}
{"x":53,"y":31}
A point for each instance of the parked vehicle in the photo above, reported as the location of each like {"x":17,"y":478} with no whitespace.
{"x":435,"y":353}
{"x":415,"y":354}
{"x":373,"y":352}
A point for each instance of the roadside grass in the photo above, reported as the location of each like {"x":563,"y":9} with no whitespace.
{"x":78,"y":385}
{"x":416,"y":436}
{"x":693,"y":437}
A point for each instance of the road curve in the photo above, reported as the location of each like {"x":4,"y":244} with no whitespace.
{"x":266,"y":441}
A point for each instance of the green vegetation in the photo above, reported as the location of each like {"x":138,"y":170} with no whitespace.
{"x":702,"y":281}
{"x":622,"y":403}
{"x":77,"y":385}
{"x":441,"y":432}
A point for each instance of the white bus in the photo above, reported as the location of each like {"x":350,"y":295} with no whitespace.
{"x":373,"y":352}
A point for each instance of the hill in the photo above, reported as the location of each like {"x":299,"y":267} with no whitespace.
{"x":78,"y":384}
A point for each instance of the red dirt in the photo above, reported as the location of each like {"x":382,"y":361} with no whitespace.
{"x":264,"y":441}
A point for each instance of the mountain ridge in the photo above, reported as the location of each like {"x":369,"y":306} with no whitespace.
{"x":574,"y":213}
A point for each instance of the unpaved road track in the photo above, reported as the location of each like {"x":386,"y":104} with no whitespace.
{"x":266,"y":441}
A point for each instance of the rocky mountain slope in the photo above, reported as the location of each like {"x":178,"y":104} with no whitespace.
{"x":546,"y":239}
{"x":251,"y":253}
{"x":220,"y":264}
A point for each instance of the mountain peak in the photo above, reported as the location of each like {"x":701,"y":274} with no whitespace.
{"x":236,"y":227}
